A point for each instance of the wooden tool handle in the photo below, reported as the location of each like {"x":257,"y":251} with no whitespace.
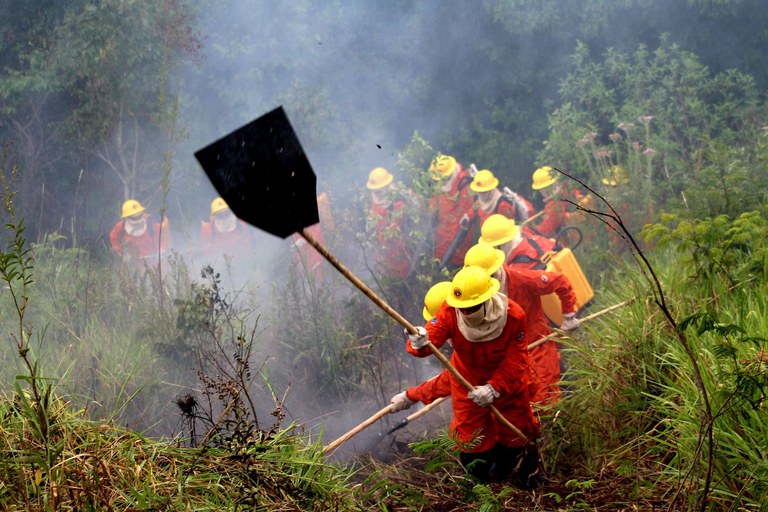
{"x":586,"y":318}
{"x":346,"y":437}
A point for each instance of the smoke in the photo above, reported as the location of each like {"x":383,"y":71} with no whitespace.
{"x":358,"y":79}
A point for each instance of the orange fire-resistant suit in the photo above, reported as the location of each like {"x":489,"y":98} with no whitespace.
{"x":394,"y":255}
{"x":305,"y":257}
{"x":448,"y":208}
{"x":432,"y":389}
{"x":215,"y":242}
{"x":144,"y":247}
{"x":502,"y":362}
{"x":559,"y":212}
{"x":526,"y":287}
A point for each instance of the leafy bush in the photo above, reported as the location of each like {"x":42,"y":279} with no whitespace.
{"x":667,"y":121}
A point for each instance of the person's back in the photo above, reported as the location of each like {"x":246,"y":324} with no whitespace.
{"x":527,"y":251}
{"x":527,"y":287}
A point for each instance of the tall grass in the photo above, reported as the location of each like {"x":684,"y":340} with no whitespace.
{"x":635,"y":406}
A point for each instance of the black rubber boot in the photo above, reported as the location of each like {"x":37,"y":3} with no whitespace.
{"x":530,"y":473}
{"x":478,"y":464}
{"x":507,"y":462}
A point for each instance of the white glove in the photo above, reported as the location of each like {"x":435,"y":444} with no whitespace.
{"x":418,"y":340}
{"x":483,"y":395}
{"x":401,"y":402}
{"x":509,"y":193}
{"x":570,"y":322}
{"x":464,"y":221}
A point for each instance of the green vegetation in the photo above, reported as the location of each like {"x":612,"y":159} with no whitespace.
{"x":166,"y":389}
{"x":632,"y":428}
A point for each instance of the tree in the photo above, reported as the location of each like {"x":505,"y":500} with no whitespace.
{"x":82,"y":89}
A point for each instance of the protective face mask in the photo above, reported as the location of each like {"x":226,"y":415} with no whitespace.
{"x":475,"y":318}
{"x":136,"y":227}
{"x":447,"y":185}
{"x":381,"y":197}
{"x":225,"y":222}
{"x":549,"y":193}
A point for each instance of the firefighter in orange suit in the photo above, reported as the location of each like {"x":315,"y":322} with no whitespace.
{"x":137,"y":238}
{"x":490,"y":199}
{"x":526,"y":287}
{"x":224,"y":233}
{"x":558,"y":210}
{"x":487,"y":331}
{"x":451,"y":199}
{"x":523,"y":250}
{"x":388,"y":221}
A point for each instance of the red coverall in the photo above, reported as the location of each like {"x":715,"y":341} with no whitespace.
{"x":449,"y":207}
{"x":432,"y":389}
{"x":557,"y":213}
{"x":142,"y":247}
{"x":526,"y":287}
{"x":394,"y":256}
{"x":502,"y":362}
{"x":215,"y":242}
{"x":306,"y":257}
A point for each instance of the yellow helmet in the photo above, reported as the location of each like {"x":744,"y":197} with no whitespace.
{"x":218,"y":205}
{"x":131,"y":207}
{"x":379,"y":178}
{"x":544,"y":177}
{"x":484,"y":181}
{"x":435,"y":298}
{"x":471,"y":286}
{"x":485,"y":256}
{"x":442,"y":166}
{"x":497,"y":230}
{"x":616,"y":175}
